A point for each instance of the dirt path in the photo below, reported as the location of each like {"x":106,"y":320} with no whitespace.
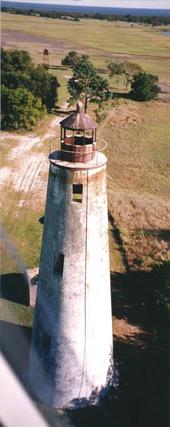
{"x":29,"y":174}
{"x":28,"y":160}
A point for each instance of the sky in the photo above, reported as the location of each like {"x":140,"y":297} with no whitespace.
{"x":145,"y":4}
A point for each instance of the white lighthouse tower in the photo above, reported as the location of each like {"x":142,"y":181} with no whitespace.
{"x":71,"y":358}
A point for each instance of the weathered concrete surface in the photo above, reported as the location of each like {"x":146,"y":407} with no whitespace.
{"x":71,"y":355}
{"x":31,"y":276}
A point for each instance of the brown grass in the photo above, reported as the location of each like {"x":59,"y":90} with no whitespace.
{"x":138,"y":180}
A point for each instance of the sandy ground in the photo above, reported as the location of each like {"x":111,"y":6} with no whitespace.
{"x":28,"y":161}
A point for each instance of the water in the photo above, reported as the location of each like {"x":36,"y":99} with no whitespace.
{"x":165,"y":33}
{"x":88,"y":9}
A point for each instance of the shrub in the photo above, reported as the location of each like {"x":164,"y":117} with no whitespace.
{"x":144,"y":87}
{"x":20,"y":109}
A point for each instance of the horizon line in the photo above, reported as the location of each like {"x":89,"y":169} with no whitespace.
{"x":80,"y":5}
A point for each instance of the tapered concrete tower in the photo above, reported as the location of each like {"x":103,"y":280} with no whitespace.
{"x":71,"y":358}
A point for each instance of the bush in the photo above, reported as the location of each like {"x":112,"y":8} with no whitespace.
{"x":15,"y":60}
{"x":20,"y":109}
{"x":144,"y":87}
{"x":70,"y":59}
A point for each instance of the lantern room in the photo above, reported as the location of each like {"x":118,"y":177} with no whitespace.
{"x":78,"y":137}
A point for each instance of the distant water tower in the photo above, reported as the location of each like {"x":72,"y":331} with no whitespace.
{"x":46,"y":58}
{"x":71,"y":358}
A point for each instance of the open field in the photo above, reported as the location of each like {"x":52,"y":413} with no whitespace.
{"x":101,"y":40}
{"x":138,"y":136}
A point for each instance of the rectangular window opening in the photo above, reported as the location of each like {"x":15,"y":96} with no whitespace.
{"x":59,"y":265}
{"x":77,"y":193}
{"x":46,"y":342}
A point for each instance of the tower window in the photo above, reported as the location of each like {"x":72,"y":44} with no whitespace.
{"x":46,"y":342}
{"x":59,"y":265}
{"x":77,"y":193}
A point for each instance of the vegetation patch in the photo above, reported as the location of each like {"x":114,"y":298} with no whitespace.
{"x":124,"y":114}
{"x":16,"y":313}
{"x":27,"y":91}
{"x":138,"y":181}
{"x":141,"y":44}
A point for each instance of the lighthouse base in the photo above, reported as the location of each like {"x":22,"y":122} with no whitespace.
{"x":73,"y":386}
{"x":62,"y":402}
{"x":95,"y":399}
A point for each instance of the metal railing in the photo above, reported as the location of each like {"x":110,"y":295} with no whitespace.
{"x":76,"y":156}
{"x":100,"y":145}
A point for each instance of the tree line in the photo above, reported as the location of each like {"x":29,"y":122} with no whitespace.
{"x":150,"y":20}
{"x":28,"y":91}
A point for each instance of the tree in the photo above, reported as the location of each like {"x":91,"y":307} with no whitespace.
{"x":14,"y":79}
{"x":125,"y":69}
{"x":144,"y":87}
{"x":116,"y":68}
{"x":70,"y":59}
{"x":15,"y":60}
{"x":18,"y":71}
{"x":43,"y":85}
{"x":86,"y":83}
{"x":131,"y":69}
{"x":20,"y":109}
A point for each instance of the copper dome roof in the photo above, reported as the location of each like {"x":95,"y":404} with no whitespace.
{"x":78,"y":121}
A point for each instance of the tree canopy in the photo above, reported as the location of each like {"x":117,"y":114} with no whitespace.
{"x":87,"y":84}
{"x":44,"y":85}
{"x":116,"y":68}
{"x":35,"y":84}
{"x":125,"y":69}
{"x":70,"y":59}
{"x":15,"y":60}
{"x":144,"y":87}
{"x":20,"y":109}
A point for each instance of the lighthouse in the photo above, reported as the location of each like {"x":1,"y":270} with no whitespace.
{"x":46,"y":58}
{"x":71,"y":356}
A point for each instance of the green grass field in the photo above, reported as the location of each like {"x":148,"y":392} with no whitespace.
{"x":114,"y":38}
{"x":141,"y":43}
